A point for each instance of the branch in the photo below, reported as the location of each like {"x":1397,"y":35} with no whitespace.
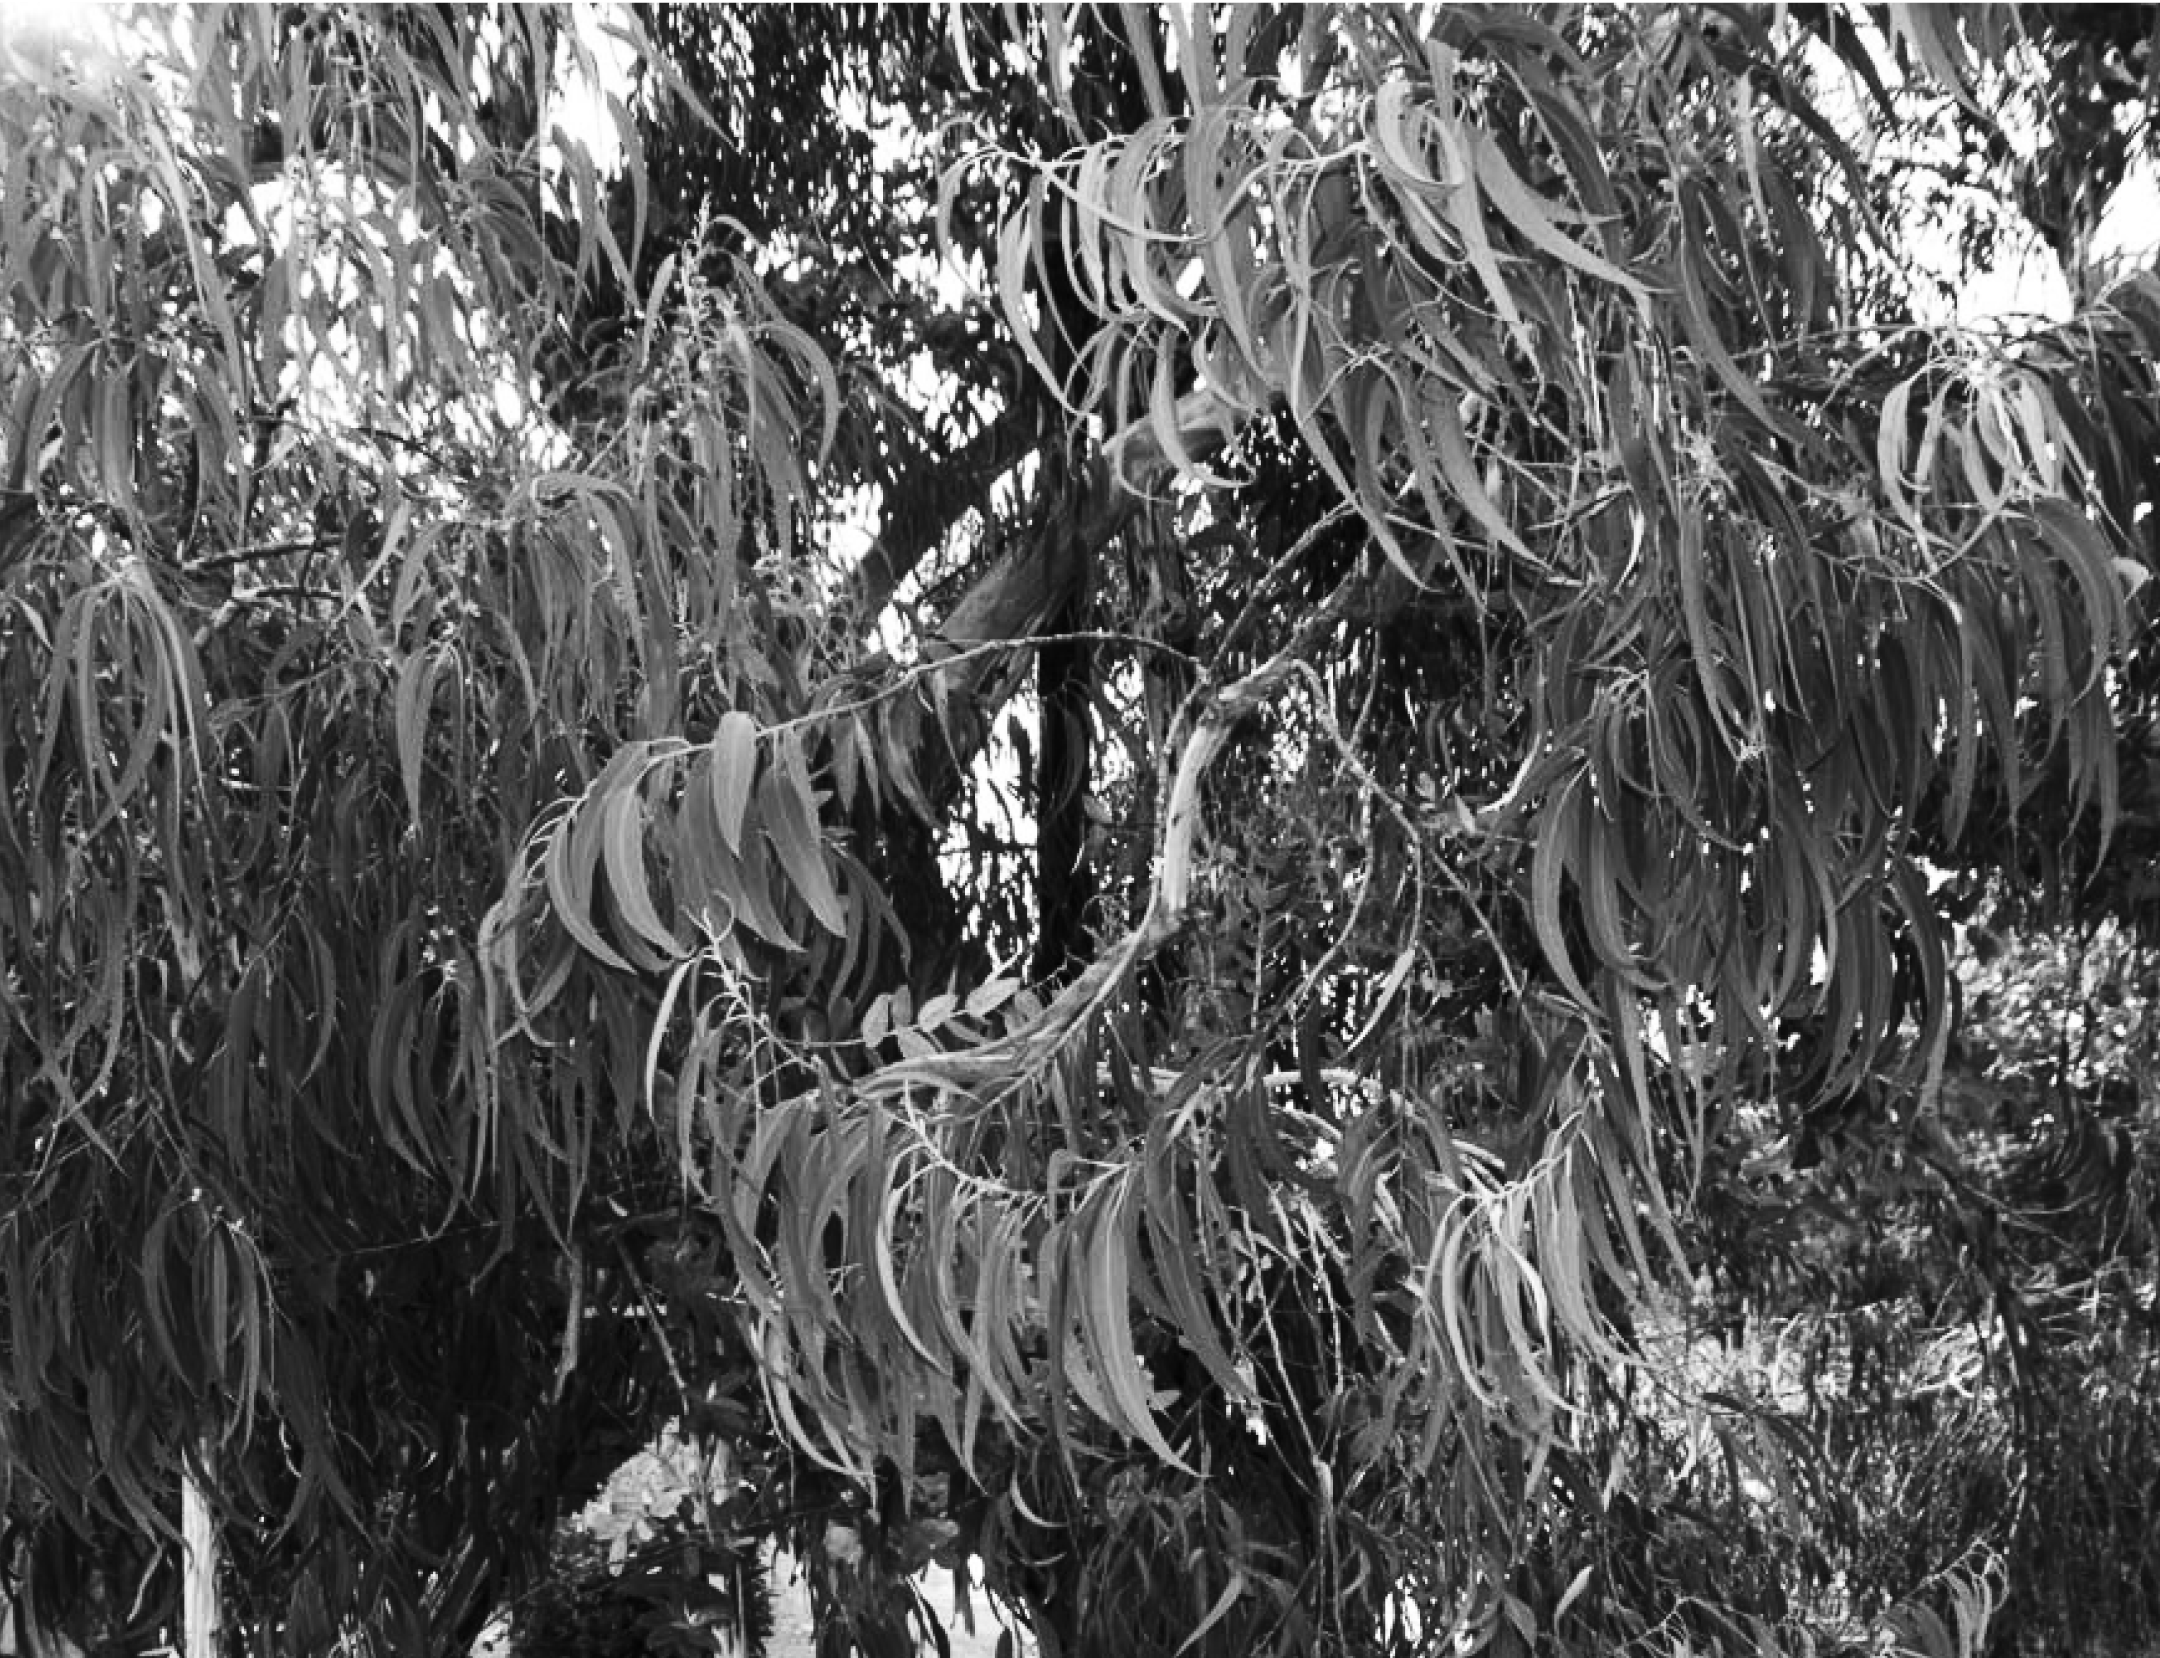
{"x":1019,"y":597}
{"x":1012,"y":604}
{"x":957,"y":482}
{"x":1009,"y":1059}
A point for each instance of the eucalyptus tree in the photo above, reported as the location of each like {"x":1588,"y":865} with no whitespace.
{"x":1592,"y":612}
{"x":1503,"y":620}
{"x":306,"y":617}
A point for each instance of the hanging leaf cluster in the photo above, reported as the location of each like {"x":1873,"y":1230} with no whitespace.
{"x":1769,"y":595}
{"x":306,"y":618}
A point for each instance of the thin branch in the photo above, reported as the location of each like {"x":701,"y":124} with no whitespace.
{"x":258,"y":551}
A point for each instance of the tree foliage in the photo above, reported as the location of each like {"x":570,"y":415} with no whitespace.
{"x":305,"y":625}
{"x":1516,"y":664}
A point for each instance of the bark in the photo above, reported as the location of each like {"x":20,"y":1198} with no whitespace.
{"x":201,"y":1613}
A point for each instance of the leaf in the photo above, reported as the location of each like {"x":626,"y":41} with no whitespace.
{"x":571,"y":864}
{"x":790,"y":815}
{"x":1460,"y":471}
{"x":1223,"y":1602}
{"x":1015,"y":254}
{"x":1548,"y":862}
{"x":1103,"y":1249}
{"x":1932,"y":31}
{"x":1573,"y":1592}
{"x":888,"y":1281}
{"x":2078,"y":544}
{"x":116,"y":440}
{"x":992,"y":994}
{"x":623,"y":847}
{"x":805,"y":352}
{"x":734,"y":771}
{"x":1701,"y":330}
{"x":410,"y":705}
{"x":1467,"y":214}
{"x":1531,"y":215}
{"x":1176,"y":1259}
{"x":1690,"y":562}
{"x":877,"y":1021}
{"x":1890,"y":441}
{"x":748,"y":884}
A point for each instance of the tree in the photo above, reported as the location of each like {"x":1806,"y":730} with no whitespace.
{"x":288,"y":574}
{"x":1524,"y":655}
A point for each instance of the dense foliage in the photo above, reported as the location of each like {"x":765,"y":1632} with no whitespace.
{"x":1293,"y":815}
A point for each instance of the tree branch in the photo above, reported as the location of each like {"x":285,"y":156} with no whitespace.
{"x":1021,"y":596}
{"x":923,"y":507}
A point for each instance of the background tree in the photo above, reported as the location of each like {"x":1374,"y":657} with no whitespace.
{"x":1514,"y":663}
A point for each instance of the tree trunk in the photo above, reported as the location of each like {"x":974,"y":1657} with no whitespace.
{"x":200,"y":1620}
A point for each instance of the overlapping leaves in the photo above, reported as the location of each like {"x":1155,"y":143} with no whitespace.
{"x":304,"y":620}
{"x":1783,"y":602}
{"x":393,"y":776}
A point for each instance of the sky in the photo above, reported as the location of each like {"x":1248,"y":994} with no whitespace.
{"x":2027,"y":281}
